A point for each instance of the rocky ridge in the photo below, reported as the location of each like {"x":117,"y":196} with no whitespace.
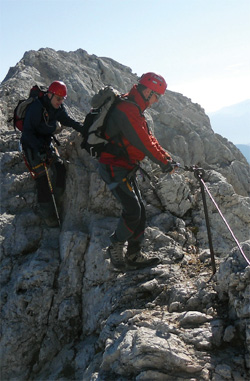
{"x":66,"y":314}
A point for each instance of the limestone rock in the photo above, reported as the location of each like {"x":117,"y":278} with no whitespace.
{"x":66,"y":314}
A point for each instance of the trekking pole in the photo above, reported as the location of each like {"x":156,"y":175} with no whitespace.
{"x":52,"y":193}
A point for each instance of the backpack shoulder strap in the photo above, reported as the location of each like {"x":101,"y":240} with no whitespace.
{"x":126,"y":99}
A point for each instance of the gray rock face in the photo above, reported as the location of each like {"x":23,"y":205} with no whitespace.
{"x":66,"y":314}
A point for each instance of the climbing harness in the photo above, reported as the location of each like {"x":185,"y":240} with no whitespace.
{"x":199,"y":175}
{"x":34,"y":175}
{"x":31,"y":169}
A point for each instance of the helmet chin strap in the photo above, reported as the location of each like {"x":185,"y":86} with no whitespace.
{"x":150,"y":95}
{"x":50,"y":99}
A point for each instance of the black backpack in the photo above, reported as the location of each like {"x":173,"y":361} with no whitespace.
{"x":21,"y":108}
{"x":94,"y":140}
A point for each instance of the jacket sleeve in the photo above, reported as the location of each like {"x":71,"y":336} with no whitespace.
{"x":134,"y":128}
{"x":67,"y":121}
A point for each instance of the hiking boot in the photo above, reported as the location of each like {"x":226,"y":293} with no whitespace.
{"x":136,"y":258}
{"x":115,"y":252}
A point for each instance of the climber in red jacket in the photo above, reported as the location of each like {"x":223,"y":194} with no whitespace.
{"x":118,"y":170}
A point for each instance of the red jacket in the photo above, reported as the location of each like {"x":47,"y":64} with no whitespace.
{"x":127,"y":118}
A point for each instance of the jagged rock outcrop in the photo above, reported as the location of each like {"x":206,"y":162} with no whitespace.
{"x":66,"y":314}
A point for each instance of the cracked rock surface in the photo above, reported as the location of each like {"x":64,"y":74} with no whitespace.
{"x":66,"y":313}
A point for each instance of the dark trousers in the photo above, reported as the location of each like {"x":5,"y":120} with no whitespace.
{"x":57,"y":177}
{"x":57,"y":174}
{"x":132,"y":222}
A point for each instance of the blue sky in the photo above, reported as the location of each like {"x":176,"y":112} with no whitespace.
{"x":201,"y":47}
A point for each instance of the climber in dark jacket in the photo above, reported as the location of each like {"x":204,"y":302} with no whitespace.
{"x":41,"y":122}
{"x":118,"y":171}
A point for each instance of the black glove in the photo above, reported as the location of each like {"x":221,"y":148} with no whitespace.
{"x":42,"y":156}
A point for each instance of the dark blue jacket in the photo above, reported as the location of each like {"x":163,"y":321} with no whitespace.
{"x":40,"y":124}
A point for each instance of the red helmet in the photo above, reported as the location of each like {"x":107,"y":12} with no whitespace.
{"x":154,"y":82}
{"x":59,"y":88}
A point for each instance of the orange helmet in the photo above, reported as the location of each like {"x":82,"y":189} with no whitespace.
{"x":154,"y":82}
{"x":59,"y":88}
